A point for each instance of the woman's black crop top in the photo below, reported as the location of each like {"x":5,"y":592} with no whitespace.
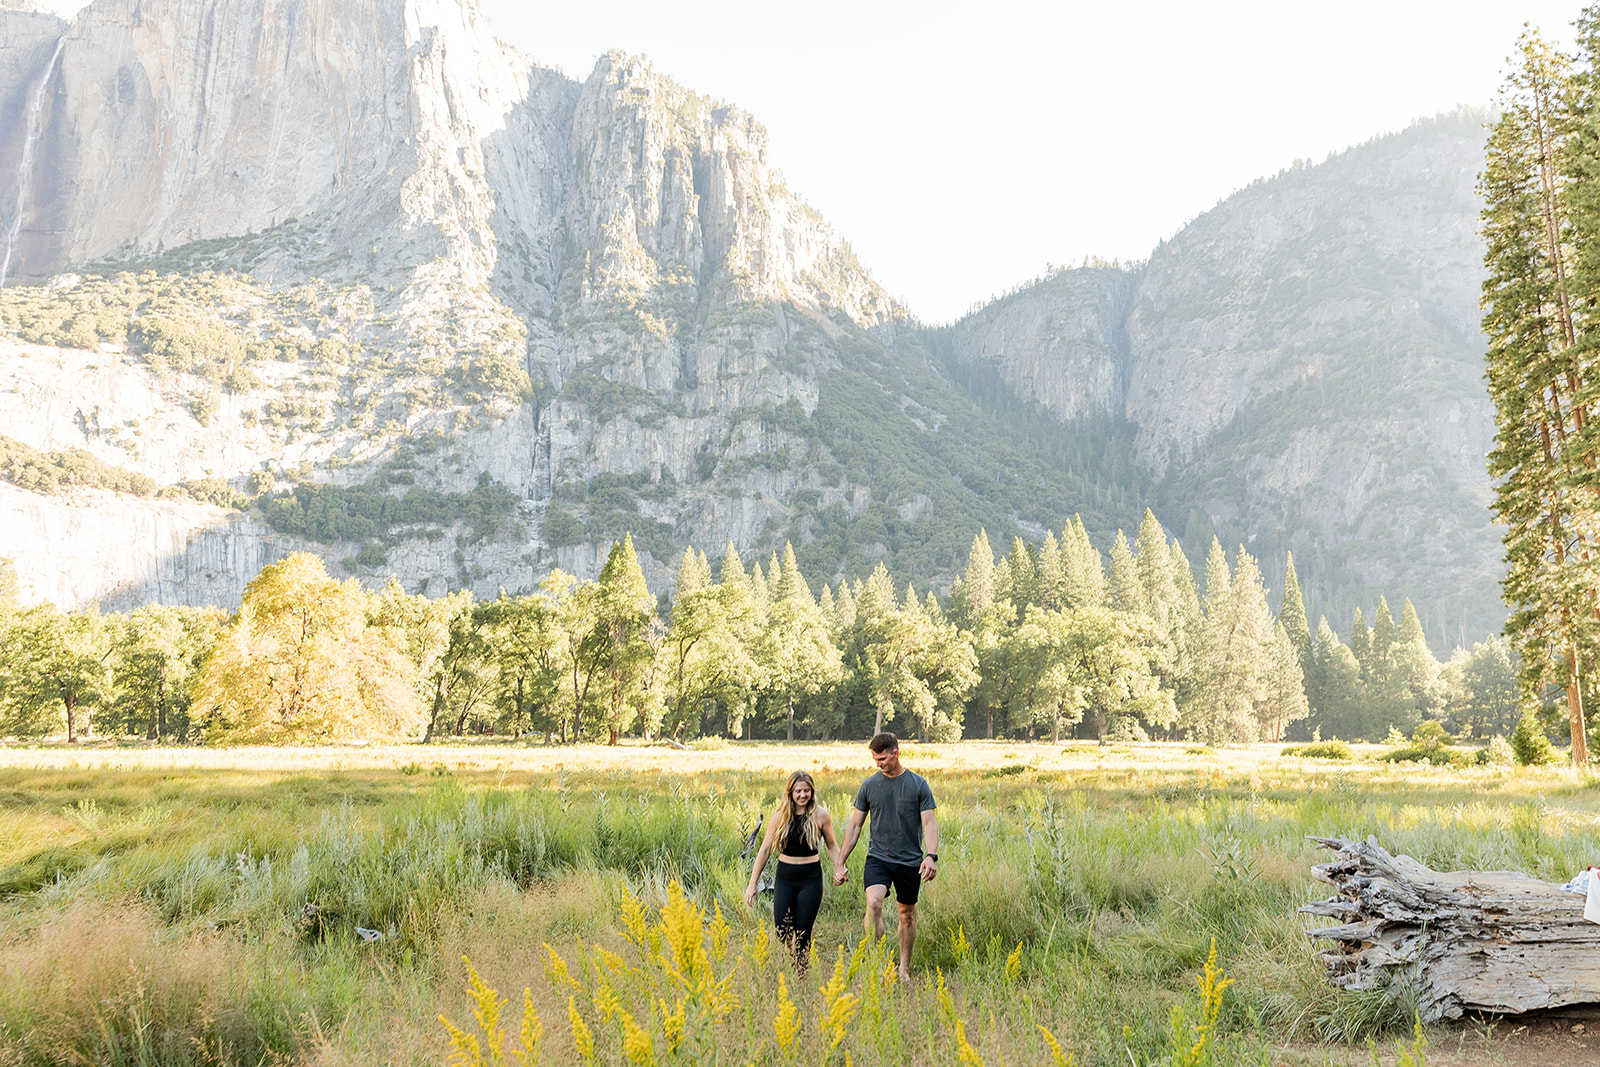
{"x":794,"y":844}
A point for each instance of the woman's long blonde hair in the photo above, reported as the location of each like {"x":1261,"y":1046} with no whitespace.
{"x":785,"y":813}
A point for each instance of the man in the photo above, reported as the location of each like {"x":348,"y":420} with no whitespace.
{"x":902,"y":810}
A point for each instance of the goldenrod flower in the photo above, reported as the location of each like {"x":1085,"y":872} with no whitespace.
{"x":786,"y":1023}
{"x":637,"y":1044}
{"x":838,"y":1004}
{"x":614,"y":963}
{"x":719,"y":930}
{"x":1058,"y":1058}
{"x":532,"y":1031}
{"x":966,"y":1055}
{"x":1014,"y":963}
{"x":582,"y":1037}
{"x":555,"y":968}
{"x":960,"y":948}
{"x":672,"y":1023}
{"x":606,"y":1004}
{"x":635,"y":928}
{"x":681,"y":927}
{"x":946,"y":1002}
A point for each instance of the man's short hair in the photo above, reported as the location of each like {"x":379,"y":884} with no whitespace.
{"x":884,"y":742}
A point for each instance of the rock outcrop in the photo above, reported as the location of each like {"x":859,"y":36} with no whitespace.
{"x":1301,"y":367}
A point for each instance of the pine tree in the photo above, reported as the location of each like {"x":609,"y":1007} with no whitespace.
{"x":1537,"y":371}
{"x":1085,"y":570}
{"x":1127,"y":592}
{"x":1293,"y":614}
{"x":1052,"y":574}
{"x":1383,"y":634}
{"x":1361,"y":642}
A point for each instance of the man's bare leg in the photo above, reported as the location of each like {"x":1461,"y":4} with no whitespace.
{"x":908,"y":937}
{"x":873,"y":921}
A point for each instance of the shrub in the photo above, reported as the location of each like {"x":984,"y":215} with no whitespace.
{"x":1529,"y":744}
{"x":1497,"y":753}
{"x":1334,"y":749}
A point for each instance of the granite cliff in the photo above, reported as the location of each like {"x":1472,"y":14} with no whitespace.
{"x":358,"y":277}
{"x":1300,"y":368}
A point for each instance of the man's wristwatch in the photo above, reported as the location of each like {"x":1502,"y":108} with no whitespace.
{"x":934,"y":856}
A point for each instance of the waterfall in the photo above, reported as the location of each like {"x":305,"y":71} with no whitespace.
{"x":25,"y":168}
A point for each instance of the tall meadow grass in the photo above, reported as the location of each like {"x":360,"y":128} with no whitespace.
{"x":1095,"y":913}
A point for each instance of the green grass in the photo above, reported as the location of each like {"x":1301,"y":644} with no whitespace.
{"x":161,"y":915}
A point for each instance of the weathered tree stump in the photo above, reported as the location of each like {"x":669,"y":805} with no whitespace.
{"x":1468,"y":941}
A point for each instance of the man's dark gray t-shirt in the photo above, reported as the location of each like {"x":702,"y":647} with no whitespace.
{"x":895,"y":806}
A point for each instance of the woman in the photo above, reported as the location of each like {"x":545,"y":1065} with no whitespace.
{"x":799,"y":826}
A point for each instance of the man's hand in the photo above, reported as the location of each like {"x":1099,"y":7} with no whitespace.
{"x":841,"y":874}
{"x":930,"y":868}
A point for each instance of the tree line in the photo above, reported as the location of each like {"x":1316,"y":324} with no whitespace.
{"x":1049,"y":640}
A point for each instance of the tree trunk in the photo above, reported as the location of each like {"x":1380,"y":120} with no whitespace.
{"x":1468,"y":941}
{"x":72,"y":720}
{"x":791,"y":718}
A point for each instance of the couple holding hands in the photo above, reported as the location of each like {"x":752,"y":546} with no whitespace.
{"x":903,"y":823}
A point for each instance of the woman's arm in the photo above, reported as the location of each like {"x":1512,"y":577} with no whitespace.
{"x":761,"y":859}
{"x":839,"y":872}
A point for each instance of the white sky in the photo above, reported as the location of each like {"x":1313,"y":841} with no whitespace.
{"x":961,"y":148}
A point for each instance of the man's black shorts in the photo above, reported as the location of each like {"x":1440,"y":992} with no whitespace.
{"x":905,"y":877}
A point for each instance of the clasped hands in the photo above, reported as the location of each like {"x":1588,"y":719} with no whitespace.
{"x":841,"y":874}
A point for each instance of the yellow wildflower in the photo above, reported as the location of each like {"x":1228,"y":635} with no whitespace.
{"x":532,"y":1031}
{"x":960,"y":948}
{"x":582,"y":1037}
{"x":606,"y":1004}
{"x":614,"y":963}
{"x":637,"y":1045}
{"x":839,"y":1005}
{"x":758,"y":946}
{"x":946,"y":1002}
{"x":680,"y":926}
{"x":719,"y":930}
{"x":1014,"y":963}
{"x":786,"y":1023}
{"x":1058,"y":1058}
{"x":672,"y":1023}
{"x":966,"y":1055}
{"x":634,"y":926}
{"x":555,"y":968}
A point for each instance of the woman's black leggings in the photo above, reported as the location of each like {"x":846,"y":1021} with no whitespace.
{"x":795,"y":899}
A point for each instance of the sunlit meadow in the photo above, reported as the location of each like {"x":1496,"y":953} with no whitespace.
{"x":575,"y":905}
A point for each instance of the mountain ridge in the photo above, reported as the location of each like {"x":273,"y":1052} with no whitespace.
{"x":602,"y":297}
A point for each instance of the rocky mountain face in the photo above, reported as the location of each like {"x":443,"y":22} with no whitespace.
{"x":1301,"y":368}
{"x":354,"y":276}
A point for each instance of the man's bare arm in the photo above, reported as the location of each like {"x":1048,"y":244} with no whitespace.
{"x":852,"y":833}
{"x":930,"y":845}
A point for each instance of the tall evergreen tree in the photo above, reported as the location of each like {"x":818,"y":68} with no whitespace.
{"x":1293,"y":614}
{"x":1085,"y":570}
{"x":1538,"y":374}
{"x":1126,"y":592}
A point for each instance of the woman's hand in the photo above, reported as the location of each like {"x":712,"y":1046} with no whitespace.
{"x":750,"y":895}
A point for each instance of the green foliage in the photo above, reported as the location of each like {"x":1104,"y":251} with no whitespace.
{"x":368,"y":512}
{"x":50,"y":472}
{"x":1334,"y":750}
{"x":489,"y":376}
{"x":1529,"y":743}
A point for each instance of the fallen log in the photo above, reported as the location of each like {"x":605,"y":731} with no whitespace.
{"x":1467,"y":941}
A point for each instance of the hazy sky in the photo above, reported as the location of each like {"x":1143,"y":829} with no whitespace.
{"x":961,"y":148}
